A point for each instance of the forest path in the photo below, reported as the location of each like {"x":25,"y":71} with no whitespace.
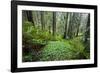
{"x":57,"y":50}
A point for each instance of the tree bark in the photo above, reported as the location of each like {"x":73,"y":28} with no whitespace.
{"x":42,"y":20}
{"x":54,"y":23}
{"x":65,"y":32}
{"x":30,"y":17}
{"x":87,"y":35}
{"x":70,"y":25}
{"x":79,"y":22}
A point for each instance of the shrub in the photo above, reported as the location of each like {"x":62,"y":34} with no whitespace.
{"x":78,"y":49}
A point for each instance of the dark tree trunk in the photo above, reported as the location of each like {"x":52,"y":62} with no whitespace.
{"x":29,"y":16}
{"x":24,"y":16}
{"x":54,"y":23}
{"x":42,"y":20}
{"x":65,"y":32}
{"x":78,"y":25}
{"x":50,"y":29}
{"x":87,"y":35}
{"x":77,"y":30}
{"x":70,"y":25}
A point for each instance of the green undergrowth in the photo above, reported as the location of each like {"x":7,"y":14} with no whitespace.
{"x":64,"y":50}
{"x":55,"y":47}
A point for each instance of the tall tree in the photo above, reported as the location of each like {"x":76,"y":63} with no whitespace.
{"x":87,"y":35}
{"x":42,"y":20}
{"x":87,"y":29}
{"x":54,"y":23}
{"x":78,"y":24}
{"x":29,"y":16}
{"x":70,"y":30}
{"x":65,"y":32}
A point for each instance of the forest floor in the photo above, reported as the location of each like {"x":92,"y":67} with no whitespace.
{"x":56,"y":50}
{"x":61,"y":50}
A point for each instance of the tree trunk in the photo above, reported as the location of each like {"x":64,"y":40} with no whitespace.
{"x":50,"y":29}
{"x":42,"y":20}
{"x":29,"y":16}
{"x":79,"y":22}
{"x":70,"y":25}
{"x":65,"y":32}
{"x":87,"y":35}
{"x":54,"y":24}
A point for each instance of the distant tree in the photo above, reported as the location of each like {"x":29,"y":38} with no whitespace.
{"x":42,"y":20}
{"x":50,"y":29}
{"x":78,"y":24}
